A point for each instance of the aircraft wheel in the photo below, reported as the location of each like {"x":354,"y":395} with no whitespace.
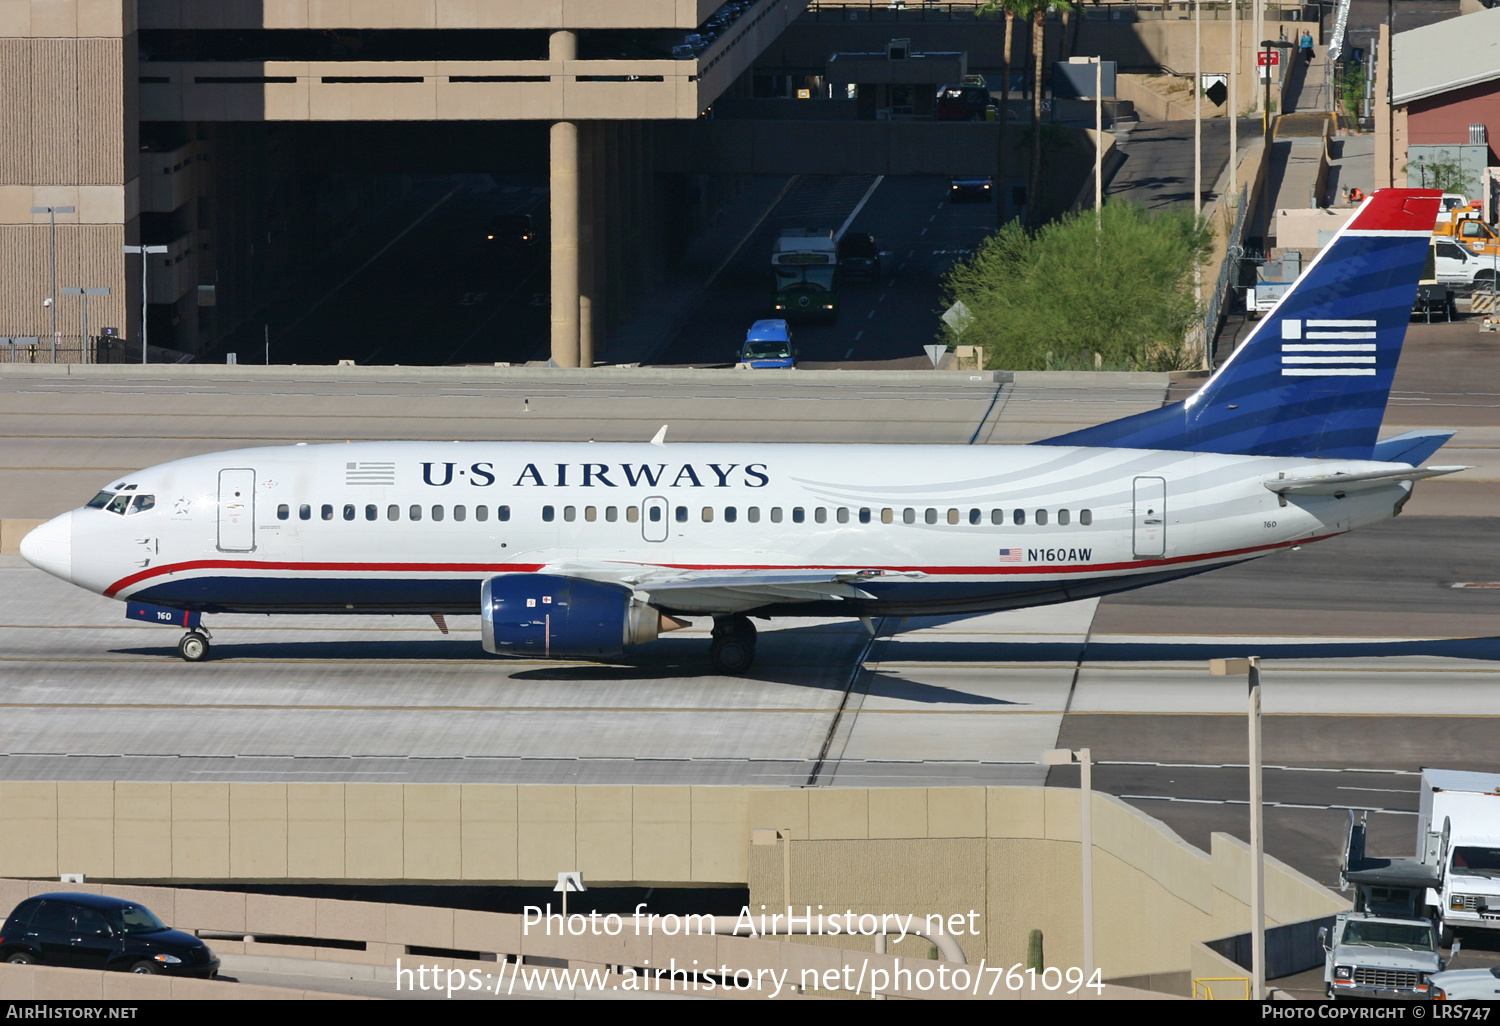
{"x":193,"y":647}
{"x":741,"y":627}
{"x":731,"y":656}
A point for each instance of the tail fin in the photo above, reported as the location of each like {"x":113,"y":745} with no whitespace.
{"x":1313,"y":377}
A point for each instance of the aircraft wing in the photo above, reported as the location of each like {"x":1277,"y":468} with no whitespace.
{"x":730,"y":591}
{"x":1339,"y":484}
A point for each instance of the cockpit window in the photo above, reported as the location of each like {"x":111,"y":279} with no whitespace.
{"x":100,"y":501}
{"x":142,"y":503}
{"x":118,"y":504}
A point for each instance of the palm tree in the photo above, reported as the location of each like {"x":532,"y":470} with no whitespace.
{"x":1009,"y":8}
{"x":1037,"y":11}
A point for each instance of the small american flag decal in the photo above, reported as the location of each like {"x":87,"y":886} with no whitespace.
{"x":1012,"y":556}
{"x":370,"y":473}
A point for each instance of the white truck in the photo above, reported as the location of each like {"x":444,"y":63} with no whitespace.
{"x":1458,"y":268}
{"x":1469,"y":897}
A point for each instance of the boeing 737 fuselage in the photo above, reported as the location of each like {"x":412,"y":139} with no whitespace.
{"x":585,"y":550}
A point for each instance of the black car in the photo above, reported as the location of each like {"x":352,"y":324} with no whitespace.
{"x":859,"y":256}
{"x":510,"y":232}
{"x":975,"y":188}
{"x":90,"y":931}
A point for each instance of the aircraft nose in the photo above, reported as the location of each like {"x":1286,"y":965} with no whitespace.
{"x":50,"y":547}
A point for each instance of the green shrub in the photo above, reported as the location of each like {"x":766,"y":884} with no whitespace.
{"x":1068,"y":297}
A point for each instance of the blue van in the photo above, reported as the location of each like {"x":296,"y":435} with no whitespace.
{"x":768,"y":344}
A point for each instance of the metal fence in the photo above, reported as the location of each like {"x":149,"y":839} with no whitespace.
{"x":1234,"y":250}
{"x":919,"y":10}
{"x":72,"y":349}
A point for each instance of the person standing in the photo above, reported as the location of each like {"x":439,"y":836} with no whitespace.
{"x":1305,"y":45}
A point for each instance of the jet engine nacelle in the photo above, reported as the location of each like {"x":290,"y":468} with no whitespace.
{"x":545,"y":616}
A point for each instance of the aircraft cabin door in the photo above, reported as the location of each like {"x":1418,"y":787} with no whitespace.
{"x":1150,"y":517}
{"x":654,"y":524}
{"x":236,"y":511}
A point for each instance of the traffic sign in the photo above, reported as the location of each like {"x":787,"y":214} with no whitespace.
{"x":1268,"y":58}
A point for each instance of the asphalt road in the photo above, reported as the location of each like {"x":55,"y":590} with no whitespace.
{"x":920,"y":234}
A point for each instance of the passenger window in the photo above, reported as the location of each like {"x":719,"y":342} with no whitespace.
{"x":327,"y":511}
{"x":570,"y":513}
{"x":590,"y":513}
{"x":1020,"y":517}
{"x":143,"y":503}
{"x":1063,"y":517}
{"x":682,"y":514}
{"x":708,"y":514}
{"x":611,"y":513}
{"x":976,"y":516}
{"x":548,"y":514}
{"x":481,"y":513}
{"x":459,"y":513}
{"x":753,"y":514}
{"x":1041,"y":517}
{"x":304,"y":512}
{"x":997,"y":516}
{"x":437,"y":512}
{"x":654,"y":514}
{"x":775,"y":514}
{"x":798,"y":514}
{"x":414,"y":512}
{"x":953,"y":516}
{"x":371,"y":512}
{"x":502,"y":513}
{"x":864,"y":515}
{"x":392,"y":512}
{"x":887,"y":516}
{"x":283,"y":511}
{"x":1085,"y":517}
{"x":632,"y":514}
{"x":931,"y":516}
{"x":820,"y":515}
{"x":349,"y":511}
{"x":843,"y":515}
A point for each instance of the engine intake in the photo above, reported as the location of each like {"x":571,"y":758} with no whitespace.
{"x":548,"y":616}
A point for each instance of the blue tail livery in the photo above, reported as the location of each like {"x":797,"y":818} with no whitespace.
{"x":1313,"y":377}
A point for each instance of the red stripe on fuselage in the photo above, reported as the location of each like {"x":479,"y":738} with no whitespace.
{"x":947,"y":571}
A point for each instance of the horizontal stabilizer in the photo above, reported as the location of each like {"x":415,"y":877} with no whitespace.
{"x":1340,"y":484}
{"x":1411,"y":447}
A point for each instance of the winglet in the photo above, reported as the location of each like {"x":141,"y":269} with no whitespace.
{"x":660,"y":438}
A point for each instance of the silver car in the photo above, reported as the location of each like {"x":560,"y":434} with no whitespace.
{"x":1467,"y":985}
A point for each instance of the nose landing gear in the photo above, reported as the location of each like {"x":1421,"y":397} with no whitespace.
{"x":732,"y":650}
{"x":194,"y":645}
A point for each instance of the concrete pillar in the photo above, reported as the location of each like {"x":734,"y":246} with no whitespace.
{"x":615,"y":267}
{"x":562,"y":46}
{"x":586,"y":270}
{"x":599,"y":293}
{"x":564,"y":194}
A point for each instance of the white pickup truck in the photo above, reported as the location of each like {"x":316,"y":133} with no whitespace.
{"x":1459,"y":269}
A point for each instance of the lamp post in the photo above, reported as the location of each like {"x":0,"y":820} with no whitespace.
{"x":1251,"y":668}
{"x":1267,"y":47}
{"x":144,"y":252}
{"x":52,"y":213}
{"x":1084,"y":758}
{"x":85,"y":293}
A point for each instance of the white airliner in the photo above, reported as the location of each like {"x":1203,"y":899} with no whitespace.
{"x":585,"y":550}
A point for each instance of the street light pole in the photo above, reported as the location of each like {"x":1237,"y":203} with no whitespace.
{"x":85,"y":293}
{"x":1251,"y":667}
{"x":1084,"y":758}
{"x":52,"y":213}
{"x":144,"y":252}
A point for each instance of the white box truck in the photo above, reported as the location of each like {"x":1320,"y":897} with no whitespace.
{"x":1470,"y":804}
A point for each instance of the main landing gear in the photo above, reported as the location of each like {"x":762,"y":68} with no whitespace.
{"x":733,"y":648}
{"x":194,"y":645}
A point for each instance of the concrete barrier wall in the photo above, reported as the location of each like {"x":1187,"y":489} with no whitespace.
{"x":12,"y":531}
{"x":1010,"y":855}
{"x":48,"y":983}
